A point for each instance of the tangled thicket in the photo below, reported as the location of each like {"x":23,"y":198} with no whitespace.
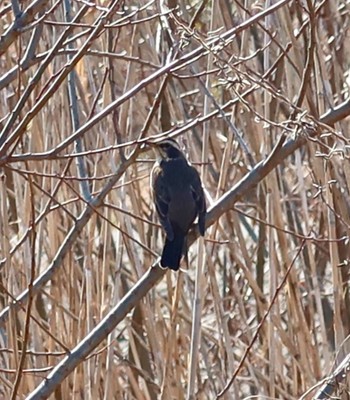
{"x":258,"y":95}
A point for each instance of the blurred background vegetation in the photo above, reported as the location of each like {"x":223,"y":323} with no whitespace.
{"x":263,"y":307}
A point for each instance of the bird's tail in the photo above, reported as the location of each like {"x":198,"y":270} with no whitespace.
{"x":172,"y":252}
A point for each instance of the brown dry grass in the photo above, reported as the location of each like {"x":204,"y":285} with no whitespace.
{"x":262,"y":310}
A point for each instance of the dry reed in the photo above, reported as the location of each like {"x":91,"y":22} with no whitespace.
{"x":258,"y":94}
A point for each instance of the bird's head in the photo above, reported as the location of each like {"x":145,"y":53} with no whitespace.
{"x":167,"y":148}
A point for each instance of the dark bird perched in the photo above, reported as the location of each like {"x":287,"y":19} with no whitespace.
{"x":179,"y":199}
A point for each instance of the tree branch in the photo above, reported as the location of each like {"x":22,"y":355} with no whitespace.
{"x":153,"y":275}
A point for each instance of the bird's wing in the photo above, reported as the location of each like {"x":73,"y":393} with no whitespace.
{"x":199,"y":198}
{"x":162,"y":199}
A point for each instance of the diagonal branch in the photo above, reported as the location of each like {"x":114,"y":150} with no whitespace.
{"x":7,"y":139}
{"x":332,"y":382}
{"x":80,"y":223}
{"x":21,"y":20}
{"x":153,"y":275}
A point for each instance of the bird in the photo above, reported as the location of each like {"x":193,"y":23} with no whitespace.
{"x":178,"y":197}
